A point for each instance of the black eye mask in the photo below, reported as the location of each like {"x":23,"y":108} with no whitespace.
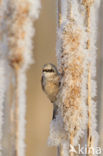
{"x":48,"y":70}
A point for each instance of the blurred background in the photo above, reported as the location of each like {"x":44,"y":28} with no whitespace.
{"x":39,"y":109}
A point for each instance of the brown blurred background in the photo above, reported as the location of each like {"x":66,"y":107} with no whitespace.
{"x":39,"y":109}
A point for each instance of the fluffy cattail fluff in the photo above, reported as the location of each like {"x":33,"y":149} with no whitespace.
{"x":18,"y":21}
{"x":72,"y":60}
{"x":74,"y":109}
{"x":76,"y":55}
{"x":22,"y":31}
{"x":16,"y":32}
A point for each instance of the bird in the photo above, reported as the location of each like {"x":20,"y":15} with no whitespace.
{"x":50,"y":82}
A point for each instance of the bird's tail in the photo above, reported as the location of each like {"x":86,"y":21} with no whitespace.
{"x":55,"y":111}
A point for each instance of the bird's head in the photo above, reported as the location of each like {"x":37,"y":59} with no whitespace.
{"x":49,"y":70}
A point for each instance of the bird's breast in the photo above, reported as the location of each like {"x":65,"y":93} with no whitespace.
{"x":51,"y":90}
{"x":51,"y":87}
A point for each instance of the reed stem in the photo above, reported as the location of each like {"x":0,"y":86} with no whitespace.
{"x":89,"y":136}
{"x":16,"y":112}
{"x":60,"y":151}
{"x":71,"y":143}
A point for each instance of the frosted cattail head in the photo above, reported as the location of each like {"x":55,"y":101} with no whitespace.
{"x":16,"y":61}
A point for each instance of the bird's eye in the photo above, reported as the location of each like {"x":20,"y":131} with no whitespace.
{"x":51,"y":70}
{"x":48,"y":70}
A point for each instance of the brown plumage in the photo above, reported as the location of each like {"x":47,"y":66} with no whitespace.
{"x":51,"y":83}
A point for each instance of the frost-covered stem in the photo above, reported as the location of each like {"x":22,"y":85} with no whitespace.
{"x":3,"y":71}
{"x":72,"y":60}
{"x":89,"y":133}
{"x":59,"y":22}
{"x":17,"y":111}
{"x":91,"y":28}
{"x":16,"y":32}
{"x":101,"y":79}
{"x":89,"y":88}
{"x":71,"y":144}
{"x":76,"y":56}
{"x":3,"y":89}
{"x":89,"y":139}
{"x":59,"y":151}
{"x":20,"y":18}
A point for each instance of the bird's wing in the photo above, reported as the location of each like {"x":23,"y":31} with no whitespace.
{"x":59,"y":83}
{"x":55,"y":111}
{"x":42,"y":82}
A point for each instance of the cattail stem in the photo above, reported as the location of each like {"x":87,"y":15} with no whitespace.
{"x":16,"y":111}
{"x":59,"y":150}
{"x":88,"y":18}
{"x":71,"y":144}
{"x":89,"y":140}
{"x":89,"y":136}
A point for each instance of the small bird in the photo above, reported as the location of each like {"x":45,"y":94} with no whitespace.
{"x":50,"y":84}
